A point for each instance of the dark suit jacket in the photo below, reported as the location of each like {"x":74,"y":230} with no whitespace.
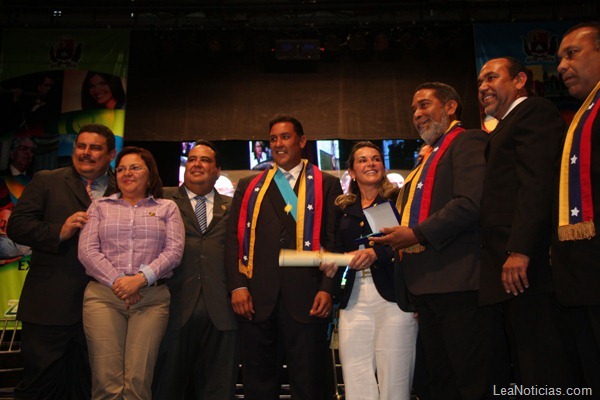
{"x":53,"y":289}
{"x":451,"y":259}
{"x":277,"y":230}
{"x":575,"y":264}
{"x":353,"y":224}
{"x":202,"y":268}
{"x":516,"y":209}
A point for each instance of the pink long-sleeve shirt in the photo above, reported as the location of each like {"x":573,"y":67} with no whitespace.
{"x":120,"y":239}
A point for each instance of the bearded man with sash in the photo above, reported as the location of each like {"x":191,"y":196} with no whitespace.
{"x":576,"y":243}
{"x":438,"y":237}
{"x":282,"y":312}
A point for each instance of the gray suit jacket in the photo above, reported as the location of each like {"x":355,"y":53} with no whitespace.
{"x":53,"y":290}
{"x":450,"y":262}
{"x":202,"y":268}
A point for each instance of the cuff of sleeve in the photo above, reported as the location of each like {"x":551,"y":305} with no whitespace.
{"x":149,"y":273}
{"x":419,"y":235}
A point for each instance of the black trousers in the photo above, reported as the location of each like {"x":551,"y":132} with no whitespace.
{"x":540,"y":344}
{"x":268,"y":344}
{"x":197,"y":361}
{"x":56,"y":363}
{"x":456,"y":335}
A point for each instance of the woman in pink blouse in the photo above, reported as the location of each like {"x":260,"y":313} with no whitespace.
{"x":130,"y":245}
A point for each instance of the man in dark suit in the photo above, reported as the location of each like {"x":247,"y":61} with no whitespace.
{"x":198,"y":357}
{"x":576,"y":243}
{"x":48,"y":217}
{"x":441,"y":250}
{"x":516,"y":222}
{"x":283,"y":311}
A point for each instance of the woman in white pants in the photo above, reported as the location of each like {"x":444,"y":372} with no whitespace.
{"x":377,"y":339}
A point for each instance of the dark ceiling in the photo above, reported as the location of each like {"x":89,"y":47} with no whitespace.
{"x":282,"y":14}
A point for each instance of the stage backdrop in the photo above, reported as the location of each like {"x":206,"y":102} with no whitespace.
{"x":51,"y":83}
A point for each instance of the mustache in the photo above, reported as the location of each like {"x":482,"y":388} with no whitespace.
{"x":87,"y":158}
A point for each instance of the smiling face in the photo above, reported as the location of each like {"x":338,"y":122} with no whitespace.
{"x":100,"y":91}
{"x":431,"y":118}
{"x":132,"y":177}
{"x":91,"y":156}
{"x":201,"y":171}
{"x":497,"y":89}
{"x":286,"y":145}
{"x":580,"y":61}
{"x":367,"y":167}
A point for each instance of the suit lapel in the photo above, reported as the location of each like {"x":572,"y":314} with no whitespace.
{"x":185,"y":208}
{"x":219,"y":209}
{"x":75,"y":184}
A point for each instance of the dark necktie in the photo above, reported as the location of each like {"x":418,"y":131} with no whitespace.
{"x":200,"y":211}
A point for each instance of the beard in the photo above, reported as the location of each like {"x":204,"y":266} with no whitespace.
{"x":435,"y":130}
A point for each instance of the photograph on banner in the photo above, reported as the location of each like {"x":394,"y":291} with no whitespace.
{"x":52,"y":82}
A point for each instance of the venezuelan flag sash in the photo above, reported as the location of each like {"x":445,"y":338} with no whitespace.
{"x":420,"y":183}
{"x":308,"y":213}
{"x":575,"y":206}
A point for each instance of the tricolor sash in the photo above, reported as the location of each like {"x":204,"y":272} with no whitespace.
{"x":307,"y":210}
{"x":415,"y":205}
{"x":575,"y":205}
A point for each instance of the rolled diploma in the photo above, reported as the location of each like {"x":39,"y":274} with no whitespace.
{"x":293,"y":258}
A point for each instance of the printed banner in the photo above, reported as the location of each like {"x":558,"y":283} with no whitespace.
{"x":52,"y":82}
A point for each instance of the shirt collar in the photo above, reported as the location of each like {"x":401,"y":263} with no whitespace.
{"x":210,"y":196}
{"x":514,"y":104}
{"x":295,"y":172}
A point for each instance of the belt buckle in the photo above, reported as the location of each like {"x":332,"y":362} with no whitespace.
{"x":366,"y":273}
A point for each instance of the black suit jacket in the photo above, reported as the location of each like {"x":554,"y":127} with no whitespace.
{"x":53,"y":289}
{"x":576,"y":264}
{"x":276,"y":230}
{"x":353,"y":224}
{"x":202,"y":268}
{"x":516,"y":210}
{"x":451,"y":259}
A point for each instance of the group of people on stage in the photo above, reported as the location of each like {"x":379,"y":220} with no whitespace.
{"x":139,"y":292}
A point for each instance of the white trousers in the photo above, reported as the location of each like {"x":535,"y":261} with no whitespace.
{"x":377,"y":345}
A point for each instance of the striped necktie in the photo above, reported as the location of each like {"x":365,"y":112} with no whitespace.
{"x":88,"y":188}
{"x":200,"y":211}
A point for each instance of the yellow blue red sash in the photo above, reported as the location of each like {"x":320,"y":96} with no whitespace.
{"x":420,"y":183}
{"x":575,"y":205}
{"x":309,"y":211}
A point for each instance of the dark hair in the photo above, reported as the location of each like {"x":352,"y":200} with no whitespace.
{"x":594,"y":25}
{"x":515,"y":67}
{"x":113,"y":82}
{"x":444,"y":94}
{"x":101,"y":130}
{"x":287,"y":118}
{"x":155,"y":187}
{"x":387,"y":189}
{"x":211,"y":145}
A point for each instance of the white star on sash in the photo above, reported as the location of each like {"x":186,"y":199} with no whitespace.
{"x":574,"y":212}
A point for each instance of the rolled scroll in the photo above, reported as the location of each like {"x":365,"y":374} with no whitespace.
{"x":293,"y":258}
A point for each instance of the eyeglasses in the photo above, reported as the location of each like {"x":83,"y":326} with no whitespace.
{"x":132,"y":168}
